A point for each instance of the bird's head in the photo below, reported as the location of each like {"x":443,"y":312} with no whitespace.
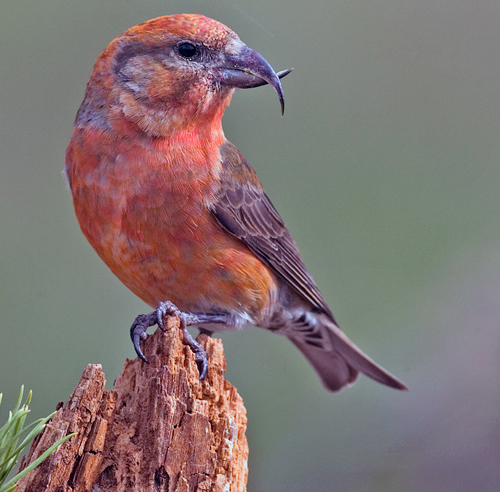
{"x":172,"y":72}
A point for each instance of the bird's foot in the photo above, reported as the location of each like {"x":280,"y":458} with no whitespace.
{"x":144,"y":321}
{"x":139,"y":328}
{"x":186,"y":319}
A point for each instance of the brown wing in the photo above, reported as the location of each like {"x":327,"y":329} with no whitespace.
{"x":245,"y":211}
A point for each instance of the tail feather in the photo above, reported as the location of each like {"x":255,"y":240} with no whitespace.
{"x":339,"y":367}
{"x":335,"y":373}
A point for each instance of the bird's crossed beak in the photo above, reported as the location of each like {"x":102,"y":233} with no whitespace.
{"x":249,"y":69}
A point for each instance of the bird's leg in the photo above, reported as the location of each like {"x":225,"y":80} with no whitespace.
{"x":144,"y":321}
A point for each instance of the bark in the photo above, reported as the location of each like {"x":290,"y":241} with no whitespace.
{"x":158,"y":429}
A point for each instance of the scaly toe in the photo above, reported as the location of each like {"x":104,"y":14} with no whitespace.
{"x":167,"y":308}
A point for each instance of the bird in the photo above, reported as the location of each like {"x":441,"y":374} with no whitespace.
{"x":176,"y":211}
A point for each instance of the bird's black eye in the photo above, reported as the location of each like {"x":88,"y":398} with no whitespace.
{"x":187,"y":50}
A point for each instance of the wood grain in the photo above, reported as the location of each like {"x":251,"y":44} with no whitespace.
{"x":158,"y":429}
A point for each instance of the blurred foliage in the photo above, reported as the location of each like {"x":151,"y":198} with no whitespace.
{"x":385,"y":167}
{"x":10,"y":448}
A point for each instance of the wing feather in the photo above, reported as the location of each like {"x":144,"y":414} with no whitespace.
{"x":244,"y":210}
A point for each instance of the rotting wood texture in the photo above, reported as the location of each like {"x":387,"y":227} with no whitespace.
{"x":158,"y":429}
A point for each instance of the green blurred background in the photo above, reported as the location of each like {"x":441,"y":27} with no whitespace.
{"x":385,"y":168}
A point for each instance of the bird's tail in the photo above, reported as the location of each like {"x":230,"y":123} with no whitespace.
{"x":339,"y":364}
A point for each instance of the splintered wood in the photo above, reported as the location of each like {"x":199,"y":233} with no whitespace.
{"x":158,"y":429}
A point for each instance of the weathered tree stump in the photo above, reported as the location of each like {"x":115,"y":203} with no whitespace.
{"x":158,"y":429}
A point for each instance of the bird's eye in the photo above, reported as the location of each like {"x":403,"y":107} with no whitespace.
{"x":187,"y":50}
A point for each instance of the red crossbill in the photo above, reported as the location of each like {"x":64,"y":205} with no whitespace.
{"x":177,"y":213}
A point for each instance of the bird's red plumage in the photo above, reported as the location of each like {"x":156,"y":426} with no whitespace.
{"x":172,"y":207}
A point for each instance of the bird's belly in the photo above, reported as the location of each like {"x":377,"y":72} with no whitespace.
{"x":165,"y":245}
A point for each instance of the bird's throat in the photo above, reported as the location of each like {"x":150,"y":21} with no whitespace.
{"x":165,"y":118}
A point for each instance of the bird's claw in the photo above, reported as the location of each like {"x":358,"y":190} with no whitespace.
{"x":200,"y":356}
{"x":168,"y":308}
{"x":144,"y":321}
{"x":138,"y":331}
